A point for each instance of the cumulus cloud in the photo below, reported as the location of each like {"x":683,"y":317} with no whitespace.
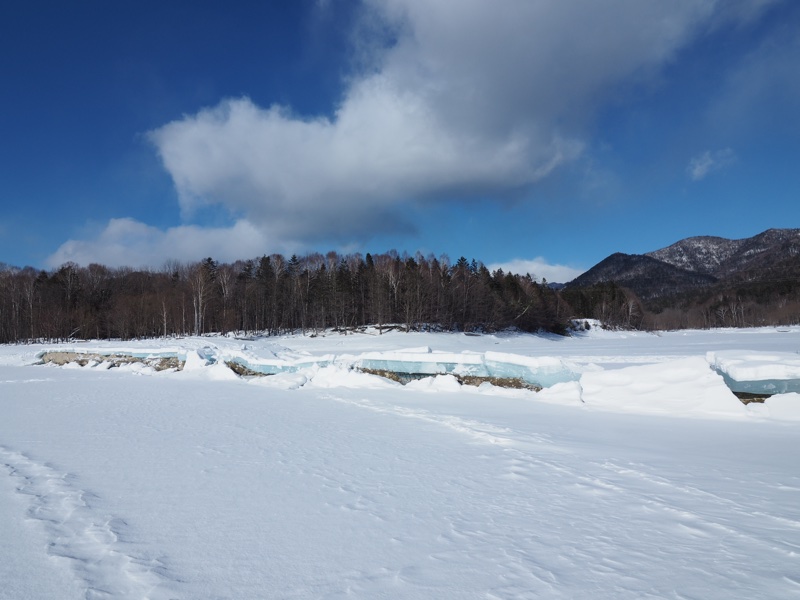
{"x":127,"y":242}
{"x":477,"y":98}
{"x":708,"y":161}
{"x":539,"y":268}
{"x":448,"y":101}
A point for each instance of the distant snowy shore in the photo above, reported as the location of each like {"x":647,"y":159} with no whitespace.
{"x":688,"y":373}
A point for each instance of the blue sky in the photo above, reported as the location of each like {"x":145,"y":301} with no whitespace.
{"x":547,"y":132}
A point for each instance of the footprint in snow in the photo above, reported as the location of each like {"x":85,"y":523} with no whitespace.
{"x":89,"y":541}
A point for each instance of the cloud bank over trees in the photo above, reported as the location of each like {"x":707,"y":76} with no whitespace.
{"x":443,"y":102}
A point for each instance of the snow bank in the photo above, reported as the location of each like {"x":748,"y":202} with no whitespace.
{"x":681,"y":387}
{"x":342,"y":377}
{"x":784,"y":407}
{"x":439,"y":383}
{"x":203,"y":363}
{"x":194,"y":361}
{"x":569,"y":393}
{"x":571,"y":371}
{"x":282,"y":381}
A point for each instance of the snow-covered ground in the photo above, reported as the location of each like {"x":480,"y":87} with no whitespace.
{"x":635,"y":473}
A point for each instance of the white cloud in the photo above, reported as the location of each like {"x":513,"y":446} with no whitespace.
{"x":456,"y":100}
{"x":127,"y":242}
{"x":708,"y":161}
{"x":475,"y":98}
{"x":538,"y":268}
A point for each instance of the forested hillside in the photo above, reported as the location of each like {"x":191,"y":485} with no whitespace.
{"x":701,"y":282}
{"x":271,"y":295}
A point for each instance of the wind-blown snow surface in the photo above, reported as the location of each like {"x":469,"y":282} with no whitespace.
{"x":640,"y":480}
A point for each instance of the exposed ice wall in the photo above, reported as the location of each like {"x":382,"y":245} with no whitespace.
{"x":540,"y":371}
{"x":757,"y":372}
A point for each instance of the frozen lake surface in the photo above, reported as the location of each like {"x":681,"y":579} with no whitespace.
{"x":641,"y":476}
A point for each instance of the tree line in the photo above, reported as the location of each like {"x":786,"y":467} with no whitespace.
{"x":272,"y":295}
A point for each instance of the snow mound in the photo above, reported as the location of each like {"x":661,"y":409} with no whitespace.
{"x":568,"y":392}
{"x":683,"y":387}
{"x":282,"y":381}
{"x":194,"y":361}
{"x":439,"y":383}
{"x":220,"y":372}
{"x":202,"y":364}
{"x":785,"y":407}
{"x":342,"y":377}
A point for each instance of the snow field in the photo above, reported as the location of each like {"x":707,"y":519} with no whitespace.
{"x":87,"y":541}
{"x":329,"y":483}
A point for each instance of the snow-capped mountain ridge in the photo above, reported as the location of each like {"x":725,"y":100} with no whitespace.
{"x":702,"y":254}
{"x":720,"y":256}
{"x":700,"y":262}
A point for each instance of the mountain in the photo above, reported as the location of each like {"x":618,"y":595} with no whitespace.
{"x":722,"y":258}
{"x":703,"y":254}
{"x":701,"y":262}
{"x":648,"y":277}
